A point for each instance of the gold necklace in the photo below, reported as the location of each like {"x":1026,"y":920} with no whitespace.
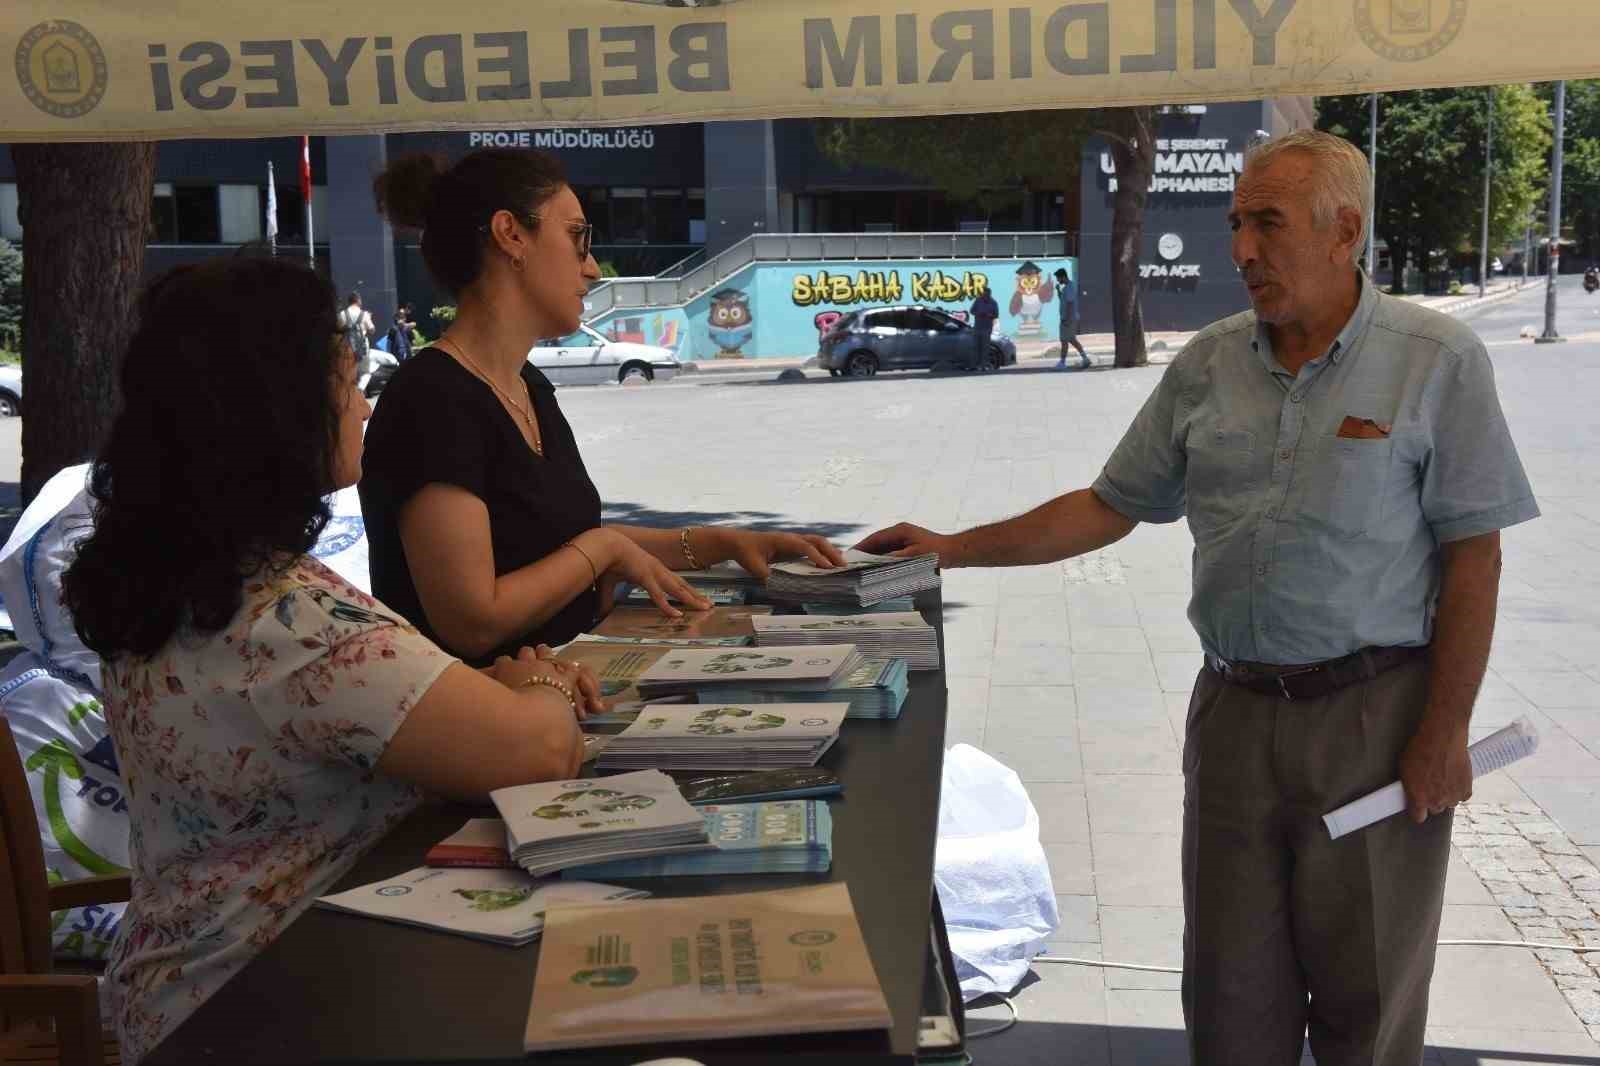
{"x":525,"y":412}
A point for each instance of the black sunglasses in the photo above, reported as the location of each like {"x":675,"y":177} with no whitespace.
{"x":582,"y":231}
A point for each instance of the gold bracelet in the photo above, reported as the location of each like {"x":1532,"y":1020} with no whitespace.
{"x":688,"y":553}
{"x":553,"y":683}
{"x":594,"y":575}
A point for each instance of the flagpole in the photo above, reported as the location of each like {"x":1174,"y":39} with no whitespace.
{"x":272,"y":210}
{"x":305,"y":192}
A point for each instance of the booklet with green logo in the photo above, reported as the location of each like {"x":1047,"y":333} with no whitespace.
{"x":703,"y":968}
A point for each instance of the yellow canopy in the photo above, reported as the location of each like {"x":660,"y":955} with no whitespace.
{"x":124,"y":69}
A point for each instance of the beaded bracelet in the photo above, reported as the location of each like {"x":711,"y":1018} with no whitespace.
{"x":553,"y":683}
{"x":688,"y":553}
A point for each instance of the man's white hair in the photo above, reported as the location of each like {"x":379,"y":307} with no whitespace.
{"x":1340,"y":173}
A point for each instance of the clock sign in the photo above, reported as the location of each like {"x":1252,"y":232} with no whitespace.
{"x":1170,"y":246}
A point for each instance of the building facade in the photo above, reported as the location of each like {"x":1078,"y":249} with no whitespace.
{"x":660,"y":194}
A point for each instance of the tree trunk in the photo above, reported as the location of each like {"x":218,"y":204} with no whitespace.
{"x":85,"y":213}
{"x":1133,"y":154}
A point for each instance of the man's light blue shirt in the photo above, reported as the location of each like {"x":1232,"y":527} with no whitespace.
{"x":1310,"y":542}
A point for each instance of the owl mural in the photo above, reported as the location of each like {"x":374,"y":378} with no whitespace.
{"x":729,"y":322}
{"x":1033,"y":291}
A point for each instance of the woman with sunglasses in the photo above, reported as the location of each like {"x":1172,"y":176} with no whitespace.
{"x":483,"y":524}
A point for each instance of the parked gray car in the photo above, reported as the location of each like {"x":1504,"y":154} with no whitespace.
{"x":903,"y":338}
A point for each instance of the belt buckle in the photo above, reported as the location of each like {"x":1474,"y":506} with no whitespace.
{"x":1283,"y":690}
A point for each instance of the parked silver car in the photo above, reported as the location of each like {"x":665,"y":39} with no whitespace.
{"x":904,"y":338}
{"x":10,"y":391}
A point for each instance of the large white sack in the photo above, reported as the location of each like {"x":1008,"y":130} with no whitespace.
{"x":991,"y":873}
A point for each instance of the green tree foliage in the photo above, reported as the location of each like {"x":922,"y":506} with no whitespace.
{"x":1580,"y":177}
{"x":1431,"y":160}
{"x":10,"y":296}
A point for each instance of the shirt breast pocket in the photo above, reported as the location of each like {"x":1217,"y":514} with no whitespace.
{"x":1219,"y":478}
{"x":1349,"y":490}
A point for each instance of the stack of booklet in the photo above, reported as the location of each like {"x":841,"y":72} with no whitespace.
{"x":876,"y":689}
{"x":898,"y":603}
{"x":500,"y":906}
{"x":556,"y":824}
{"x":687,"y":670}
{"x":901,"y":635}
{"x":617,"y":665}
{"x":720,"y":593}
{"x":650,"y":972}
{"x":690,"y":736}
{"x":781,"y":837}
{"x":728,"y":626}
{"x":863,"y":580}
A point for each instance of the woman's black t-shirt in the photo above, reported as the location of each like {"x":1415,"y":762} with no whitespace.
{"x":437,"y":421}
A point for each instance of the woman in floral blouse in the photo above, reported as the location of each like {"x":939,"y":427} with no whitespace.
{"x":272,"y":721}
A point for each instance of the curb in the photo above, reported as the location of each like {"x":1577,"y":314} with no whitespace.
{"x":1451,"y":307}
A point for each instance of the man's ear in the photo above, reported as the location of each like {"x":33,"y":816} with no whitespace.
{"x":1350,"y":233}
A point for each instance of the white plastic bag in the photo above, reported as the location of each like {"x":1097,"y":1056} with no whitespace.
{"x":78,"y":794}
{"x":991,"y":873}
{"x":39,"y":549}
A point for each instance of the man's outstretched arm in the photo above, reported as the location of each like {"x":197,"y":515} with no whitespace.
{"x":1068,"y":525}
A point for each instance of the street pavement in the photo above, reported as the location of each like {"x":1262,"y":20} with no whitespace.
{"x":1077,"y":675}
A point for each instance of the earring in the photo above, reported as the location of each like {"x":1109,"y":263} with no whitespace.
{"x":516,"y":261}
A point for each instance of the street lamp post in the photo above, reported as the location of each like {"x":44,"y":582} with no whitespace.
{"x":1488,"y":166}
{"x":1550,"y":335}
{"x":1372,"y":188}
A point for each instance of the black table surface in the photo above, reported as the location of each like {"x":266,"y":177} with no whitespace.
{"x":336,"y":988}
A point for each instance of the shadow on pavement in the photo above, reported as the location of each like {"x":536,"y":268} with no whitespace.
{"x":640,"y":514}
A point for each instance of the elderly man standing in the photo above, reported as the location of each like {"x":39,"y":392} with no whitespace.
{"x":1345,"y":468}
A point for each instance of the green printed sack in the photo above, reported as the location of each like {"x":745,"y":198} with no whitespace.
{"x":78,"y":794}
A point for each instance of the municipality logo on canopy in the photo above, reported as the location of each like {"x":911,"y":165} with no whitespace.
{"x":61,"y":68}
{"x":1409,"y":30}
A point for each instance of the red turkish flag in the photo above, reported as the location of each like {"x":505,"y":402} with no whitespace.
{"x":305,"y":169}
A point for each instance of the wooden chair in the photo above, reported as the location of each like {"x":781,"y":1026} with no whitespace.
{"x":31,"y":995}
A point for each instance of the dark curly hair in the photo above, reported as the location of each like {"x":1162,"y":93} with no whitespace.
{"x":451,"y":204}
{"x":219,"y":460}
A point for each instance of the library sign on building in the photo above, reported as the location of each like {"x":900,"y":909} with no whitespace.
{"x":1186,"y":274}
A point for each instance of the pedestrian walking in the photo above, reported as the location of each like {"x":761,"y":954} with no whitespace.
{"x":356,"y":324}
{"x":984,"y":311}
{"x":400,"y":334}
{"x":1345,"y":468}
{"x":1067,"y":302}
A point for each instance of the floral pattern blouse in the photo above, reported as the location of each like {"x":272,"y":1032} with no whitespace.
{"x":248,"y":757}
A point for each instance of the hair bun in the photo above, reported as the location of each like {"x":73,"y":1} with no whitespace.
{"x":404,"y":191}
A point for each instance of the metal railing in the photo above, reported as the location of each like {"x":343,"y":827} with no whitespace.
{"x":670,"y":290}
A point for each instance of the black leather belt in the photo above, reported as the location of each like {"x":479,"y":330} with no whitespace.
{"x":1315,"y":680}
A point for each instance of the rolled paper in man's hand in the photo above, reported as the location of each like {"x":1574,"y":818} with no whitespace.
{"x":1494,"y":752}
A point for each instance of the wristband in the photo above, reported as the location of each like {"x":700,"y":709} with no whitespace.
{"x":553,"y":683}
{"x":688,"y":553}
{"x":594,"y":575}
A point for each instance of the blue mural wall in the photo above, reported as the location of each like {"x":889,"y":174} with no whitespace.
{"x":781,"y":309}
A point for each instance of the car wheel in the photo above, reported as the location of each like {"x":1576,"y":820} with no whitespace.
{"x":10,"y":406}
{"x":833,"y":373}
{"x":997,"y":358}
{"x":862,"y":364}
{"x":635,"y":370}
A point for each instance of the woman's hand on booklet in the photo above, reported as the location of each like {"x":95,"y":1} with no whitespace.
{"x":638,"y":567}
{"x":756,"y":551}
{"x":905,"y":541}
{"x":581,"y":679}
